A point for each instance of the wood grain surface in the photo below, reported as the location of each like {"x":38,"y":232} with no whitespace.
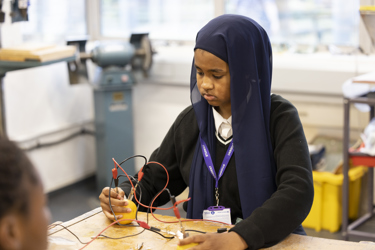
{"x":93,"y":222}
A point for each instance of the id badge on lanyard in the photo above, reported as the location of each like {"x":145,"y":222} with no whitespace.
{"x":218,"y":213}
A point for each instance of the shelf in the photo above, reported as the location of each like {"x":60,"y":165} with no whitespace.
{"x":365,"y":100}
{"x":357,"y":158}
{"x":360,"y":159}
{"x":6,"y":66}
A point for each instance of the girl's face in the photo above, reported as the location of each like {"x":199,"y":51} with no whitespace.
{"x":213,"y":81}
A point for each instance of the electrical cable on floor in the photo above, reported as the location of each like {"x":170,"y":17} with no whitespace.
{"x":39,"y":145}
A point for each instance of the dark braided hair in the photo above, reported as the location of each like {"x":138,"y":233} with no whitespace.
{"x":17,"y":174}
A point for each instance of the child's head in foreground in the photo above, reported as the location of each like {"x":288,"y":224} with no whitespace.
{"x":24,"y":216}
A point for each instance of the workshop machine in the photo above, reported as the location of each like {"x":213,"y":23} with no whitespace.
{"x":117,"y":62}
{"x":113,"y":83}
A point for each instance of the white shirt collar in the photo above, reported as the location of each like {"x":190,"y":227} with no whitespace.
{"x":219,"y":120}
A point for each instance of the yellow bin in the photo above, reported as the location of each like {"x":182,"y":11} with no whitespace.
{"x":326,"y":211}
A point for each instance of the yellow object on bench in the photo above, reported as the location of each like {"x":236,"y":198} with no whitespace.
{"x":326,"y":211}
{"x":187,"y":246}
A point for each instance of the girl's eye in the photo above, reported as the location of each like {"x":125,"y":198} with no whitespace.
{"x":217,"y":77}
{"x":200,"y":73}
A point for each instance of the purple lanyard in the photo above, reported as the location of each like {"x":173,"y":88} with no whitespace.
{"x":208,"y":160}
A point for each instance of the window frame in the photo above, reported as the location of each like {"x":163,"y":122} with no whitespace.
{"x":94,"y":21}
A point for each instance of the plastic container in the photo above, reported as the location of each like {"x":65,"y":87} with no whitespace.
{"x":326,"y":211}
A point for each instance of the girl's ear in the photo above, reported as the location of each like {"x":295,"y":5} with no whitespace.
{"x":10,"y":232}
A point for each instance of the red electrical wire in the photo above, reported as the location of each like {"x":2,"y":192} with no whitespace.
{"x":135,"y":195}
{"x":166,"y":184}
{"x":174,"y":205}
{"x":142,"y":223}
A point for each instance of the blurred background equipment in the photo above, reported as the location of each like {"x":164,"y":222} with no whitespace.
{"x":368,"y":18}
{"x":2,"y":13}
{"x":19,"y":10}
{"x":114,"y":78}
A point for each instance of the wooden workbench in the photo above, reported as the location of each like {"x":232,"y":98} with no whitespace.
{"x":93,"y":222}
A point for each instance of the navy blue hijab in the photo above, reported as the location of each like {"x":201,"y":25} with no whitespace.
{"x":244,"y":45}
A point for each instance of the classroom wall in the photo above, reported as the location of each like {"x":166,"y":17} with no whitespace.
{"x":312,"y":82}
{"x":41,"y":101}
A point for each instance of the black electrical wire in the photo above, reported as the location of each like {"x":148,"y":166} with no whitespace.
{"x":110,"y":206}
{"x":123,"y":237}
{"x":140,"y":198}
{"x":188,"y":230}
{"x":197,"y":231}
{"x":140,"y":193}
{"x":101,"y":235}
{"x":134,"y":156}
{"x":110,"y":187}
{"x":71,"y":233}
{"x":165,"y":237}
{"x":148,"y":209}
{"x":105,"y":236}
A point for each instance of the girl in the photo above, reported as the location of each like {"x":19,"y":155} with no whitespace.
{"x":237,"y":146}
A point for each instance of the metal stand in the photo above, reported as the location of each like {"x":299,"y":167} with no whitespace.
{"x":3,"y":131}
{"x":6,"y":66}
{"x":350,"y":229}
{"x":114,"y":132}
{"x":2,"y":107}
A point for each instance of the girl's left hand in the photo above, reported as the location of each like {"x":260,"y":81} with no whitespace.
{"x":215,"y":241}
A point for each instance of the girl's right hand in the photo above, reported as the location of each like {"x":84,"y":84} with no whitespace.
{"x":117,"y":201}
